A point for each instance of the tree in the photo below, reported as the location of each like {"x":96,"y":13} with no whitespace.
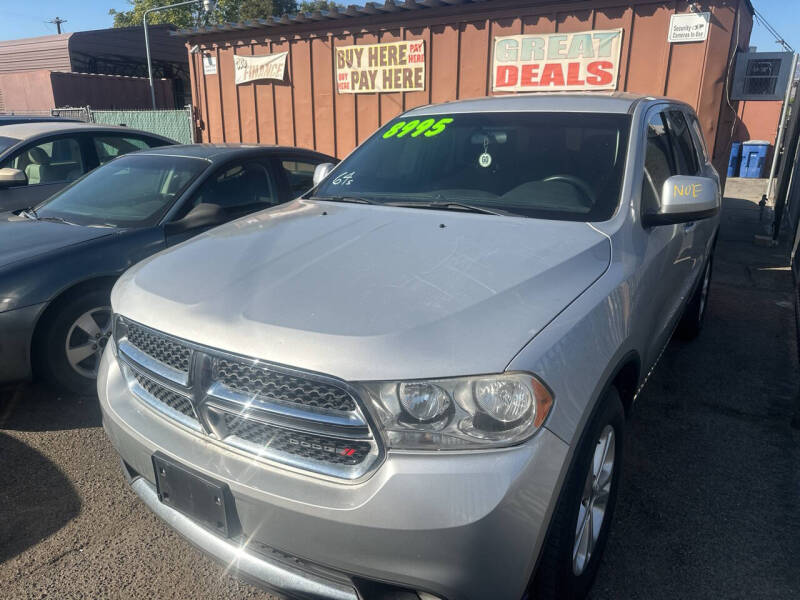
{"x":193,"y":14}
{"x":312,"y":5}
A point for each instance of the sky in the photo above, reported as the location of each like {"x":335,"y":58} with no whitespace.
{"x":28,"y":18}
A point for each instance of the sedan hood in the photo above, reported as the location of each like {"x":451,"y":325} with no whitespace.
{"x":22,"y":238}
{"x":366,"y":292}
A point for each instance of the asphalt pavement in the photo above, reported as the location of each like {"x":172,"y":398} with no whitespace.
{"x":708,"y":506}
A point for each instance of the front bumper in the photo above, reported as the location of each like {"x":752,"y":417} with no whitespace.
{"x":458,"y":525}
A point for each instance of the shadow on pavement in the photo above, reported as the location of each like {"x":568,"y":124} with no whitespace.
{"x":37,"y":407}
{"x":36,"y":498}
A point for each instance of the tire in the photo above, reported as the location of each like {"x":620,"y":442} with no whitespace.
{"x":564,"y":573}
{"x":691,"y":322}
{"x":82,"y":323}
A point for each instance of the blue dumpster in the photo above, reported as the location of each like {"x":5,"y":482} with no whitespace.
{"x":733,"y":161}
{"x":754,"y":157}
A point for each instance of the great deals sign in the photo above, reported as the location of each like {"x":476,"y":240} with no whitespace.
{"x":557,"y":61}
{"x":388,"y":67}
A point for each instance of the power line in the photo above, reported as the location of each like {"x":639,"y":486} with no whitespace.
{"x":57,"y":22}
{"x":778,"y":38}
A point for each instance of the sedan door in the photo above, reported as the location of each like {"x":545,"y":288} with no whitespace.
{"x":236,"y":188}
{"x":48,"y":164}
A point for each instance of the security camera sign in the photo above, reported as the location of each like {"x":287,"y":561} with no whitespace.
{"x":554,"y":62}
{"x":389,"y":67}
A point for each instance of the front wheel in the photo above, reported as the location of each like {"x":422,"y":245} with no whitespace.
{"x":582,"y":520}
{"x":73,"y":338}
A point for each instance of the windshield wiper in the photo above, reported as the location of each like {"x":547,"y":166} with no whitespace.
{"x":448,"y":205}
{"x":352,"y":199}
{"x":29,"y":213}
{"x":56,"y":220}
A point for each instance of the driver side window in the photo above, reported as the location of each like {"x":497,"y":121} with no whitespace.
{"x":54,"y":161}
{"x":239,"y":188}
{"x":659,"y":163}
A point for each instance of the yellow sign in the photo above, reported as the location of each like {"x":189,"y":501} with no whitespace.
{"x":390,"y":67}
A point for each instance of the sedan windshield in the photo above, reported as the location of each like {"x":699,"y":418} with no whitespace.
{"x":131,"y":191}
{"x":565,"y":166}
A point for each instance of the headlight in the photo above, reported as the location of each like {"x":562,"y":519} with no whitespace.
{"x":459,"y":413}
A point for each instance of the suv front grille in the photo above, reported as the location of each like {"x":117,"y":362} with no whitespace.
{"x":174,"y":354}
{"x":261,"y":381}
{"x":313,"y":447}
{"x":165,"y":395}
{"x":304,"y":420}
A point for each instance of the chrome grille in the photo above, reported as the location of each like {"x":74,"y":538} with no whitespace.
{"x":165,"y":395}
{"x":274,"y":385}
{"x":171,"y":353}
{"x":303,"y":420}
{"x":313,"y":447}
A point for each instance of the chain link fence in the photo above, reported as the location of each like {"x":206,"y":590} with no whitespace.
{"x":174,"y":124}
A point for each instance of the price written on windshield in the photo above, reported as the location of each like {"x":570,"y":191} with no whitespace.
{"x":415,"y":128}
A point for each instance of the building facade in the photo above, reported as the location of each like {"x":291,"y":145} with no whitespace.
{"x":464,"y":46}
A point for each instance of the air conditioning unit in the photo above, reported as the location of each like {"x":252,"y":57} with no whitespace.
{"x":761,"y":75}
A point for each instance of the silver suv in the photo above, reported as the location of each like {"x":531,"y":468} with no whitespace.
{"x":412,"y":381}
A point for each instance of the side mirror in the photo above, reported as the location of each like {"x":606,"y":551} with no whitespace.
{"x":202,"y":215}
{"x":684,"y":199}
{"x":12,"y":177}
{"x":321,"y":172}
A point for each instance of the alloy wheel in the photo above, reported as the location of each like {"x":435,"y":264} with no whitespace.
{"x":594,"y":500}
{"x":86,"y":339}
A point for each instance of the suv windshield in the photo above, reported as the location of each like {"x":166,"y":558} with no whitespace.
{"x":131,"y":191}
{"x":565,"y":166}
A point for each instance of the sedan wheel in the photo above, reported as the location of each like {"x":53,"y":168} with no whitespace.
{"x":86,"y":339}
{"x":71,"y":337}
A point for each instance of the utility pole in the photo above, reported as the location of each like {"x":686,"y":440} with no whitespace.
{"x":57,"y":22}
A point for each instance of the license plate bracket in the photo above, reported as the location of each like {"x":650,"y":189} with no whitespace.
{"x":201,"y":498}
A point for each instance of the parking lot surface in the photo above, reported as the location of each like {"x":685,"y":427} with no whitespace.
{"x":708,"y":506}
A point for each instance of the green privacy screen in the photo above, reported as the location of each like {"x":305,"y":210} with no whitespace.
{"x":174,"y":124}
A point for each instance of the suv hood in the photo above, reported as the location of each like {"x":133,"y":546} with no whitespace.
{"x":366,"y":292}
{"x":22,"y":238}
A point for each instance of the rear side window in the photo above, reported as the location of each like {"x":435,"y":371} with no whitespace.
{"x":685,"y":152}
{"x":112,"y":146}
{"x":699,"y":138}
{"x":659,"y":161}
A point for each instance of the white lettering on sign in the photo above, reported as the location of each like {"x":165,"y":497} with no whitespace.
{"x":588,"y":60}
{"x":689,"y":27}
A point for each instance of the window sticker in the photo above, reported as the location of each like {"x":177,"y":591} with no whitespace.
{"x":415,"y":128}
{"x":344,"y":179}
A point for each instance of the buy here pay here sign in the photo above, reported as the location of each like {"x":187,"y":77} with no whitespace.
{"x":587,"y":60}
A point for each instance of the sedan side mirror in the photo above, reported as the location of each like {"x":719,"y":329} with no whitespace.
{"x":321,"y":172}
{"x":12,"y":177}
{"x":202,"y":215}
{"x":684,"y":199}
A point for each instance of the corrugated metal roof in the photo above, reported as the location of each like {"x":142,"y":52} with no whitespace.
{"x":353,"y":11}
{"x":56,"y":52}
